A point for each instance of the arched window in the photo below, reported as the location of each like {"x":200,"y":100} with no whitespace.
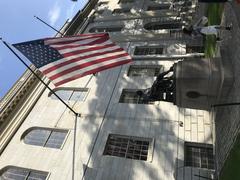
{"x":105,"y":29}
{"x":102,"y":3}
{"x":160,"y":25}
{"x":125,"y":1}
{"x":70,"y":94}
{"x":45,"y":137}
{"x":18,"y":173}
{"x":121,"y":11}
{"x":158,"y":7}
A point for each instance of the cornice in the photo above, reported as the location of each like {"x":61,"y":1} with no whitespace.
{"x":11,"y":100}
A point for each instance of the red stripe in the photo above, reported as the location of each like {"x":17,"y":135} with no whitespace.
{"x":98,"y":41}
{"x":73,"y":40}
{"x":93,"y":71}
{"x":79,"y":59}
{"x":98,"y":48}
{"x":81,"y":66}
{"x":79,"y":35}
{"x":70,"y":41}
{"x":77,"y":45}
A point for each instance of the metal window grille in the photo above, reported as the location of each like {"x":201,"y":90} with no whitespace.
{"x":199,"y":155}
{"x":102,"y":3}
{"x":22,"y":173}
{"x":194,"y":49}
{"x":125,"y":1}
{"x":105,"y":29}
{"x":130,"y":147}
{"x":99,"y":12}
{"x":130,"y":96}
{"x":159,"y":7}
{"x":154,"y":50}
{"x":160,"y":25}
{"x":121,"y":11}
{"x":51,"y":138}
{"x":144,"y":71}
{"x":71,"y":94}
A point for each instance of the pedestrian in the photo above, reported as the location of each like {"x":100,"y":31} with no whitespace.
{"x":206,"y":30}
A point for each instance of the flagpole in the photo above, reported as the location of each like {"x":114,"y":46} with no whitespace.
{"x":76,"y":115}
{"x":25,"y":64}
{"x":49,"y":25}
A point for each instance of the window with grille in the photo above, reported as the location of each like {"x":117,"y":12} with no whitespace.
{"x":17,"y":173}
{"x":144,"y":71}
{"x":105,"y":29}
{"x":130,"y":96}
{"x":194,"y":49}
{"x":199,"y":155}
{"x":52,"y":138}
{"x":70,"y":94}
{"x":125,"y":1}
{"x":162,"y":25}
{"x":150,"y":50}
{"x":130,"y":147}
{"x":121,"y":11}
{"x":159,"y":7}
{"x":99,"y":12}
{"x":102,"y":3}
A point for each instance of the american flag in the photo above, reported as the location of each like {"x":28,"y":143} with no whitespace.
{"x":68,"y":58}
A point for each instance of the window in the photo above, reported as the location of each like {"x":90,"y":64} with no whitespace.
{"x":102,"y":3}
{"x":121,"y":11}
{"x":130,"y":96}
{"x":150,"y":50}
{"x":143,"y":71}
{"x":194,"y":49}
{"x":17,"y":173}
{"x":70,"y":94}
{"x":125,"y":1}
{"x":52,"y":138}
{"x":199,"y":155}
{"x":159,"y":25}
{"x":105,"y":29}
{"x":129,"y":147}
{"x":99,"y":12}
{"x":159,"y":7}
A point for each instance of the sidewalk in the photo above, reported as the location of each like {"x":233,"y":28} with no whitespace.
{"x":228,"y":117}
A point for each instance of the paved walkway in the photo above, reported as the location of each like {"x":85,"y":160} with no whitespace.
{"x":228,"y":117}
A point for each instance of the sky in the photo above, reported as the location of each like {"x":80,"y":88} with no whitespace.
{"x":17,"y":24}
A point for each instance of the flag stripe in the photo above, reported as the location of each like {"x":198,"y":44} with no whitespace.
{"x":68,"y":58}
{"x":87,"y":68}
{"x":71,"y":41}
{"x":80,"y":49}
{"x":51,"y":67}
{"x":92,"y":71}
{"x":83,"y":42}
{"x":89,"y":51}
{"x":76,"y":44}
{"x":72,"y":38}
{"x":86,"y":64}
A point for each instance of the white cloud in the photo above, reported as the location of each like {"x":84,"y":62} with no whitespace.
{"x":54,"y":13}
{"x":1,"y":64}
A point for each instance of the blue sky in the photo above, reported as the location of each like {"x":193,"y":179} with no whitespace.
{"x":17,"y":24}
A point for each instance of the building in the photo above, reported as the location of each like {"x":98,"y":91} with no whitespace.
{"x":117,"y":135}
